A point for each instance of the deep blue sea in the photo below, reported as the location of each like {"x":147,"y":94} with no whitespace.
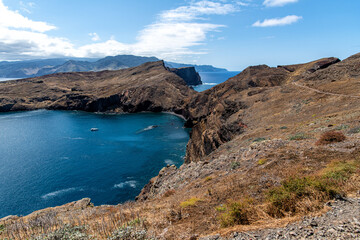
{"x":213,"y":78}
{"x":49,"y":158}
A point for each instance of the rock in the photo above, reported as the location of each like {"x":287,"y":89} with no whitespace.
{"x":9,"y":218}
{"x":189,"y":74}
{"x":313,"y":223}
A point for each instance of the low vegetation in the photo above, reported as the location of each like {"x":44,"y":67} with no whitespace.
{"x":235,"y":213}
{"x":304,"y":194}
{"x":190,"y":202}
{"x":331,"y":137}
{"x":298,"y":136}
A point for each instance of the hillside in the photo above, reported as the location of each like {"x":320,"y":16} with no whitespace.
{"x":35,"y":68}
{"x":267,"y":147}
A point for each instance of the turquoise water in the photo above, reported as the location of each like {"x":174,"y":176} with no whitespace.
{"x":210,"y":79}
{"x":48,"y":158}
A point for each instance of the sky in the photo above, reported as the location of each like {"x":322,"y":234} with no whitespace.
{"x":225,"y":33}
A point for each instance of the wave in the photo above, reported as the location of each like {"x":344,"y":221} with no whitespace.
{"x":75,"y":138}
{"x":131,"y":184}
{"x":59,"y":193}
{"x":210,"y":84}
{"x":169,"y":161}
{"x":23,"y":114}
{"x":147,"y":128}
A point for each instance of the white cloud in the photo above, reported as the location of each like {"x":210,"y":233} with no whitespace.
{"x":277,"y":21}
{"x":278,"y":3}
{"x":25,"y":6}
{"x":193,"y":11}
{"x":13,"y":19}
{"x":175,"y":34}
{"x":94,"y":36}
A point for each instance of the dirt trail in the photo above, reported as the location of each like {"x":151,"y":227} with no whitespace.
{"x":322,"y":92}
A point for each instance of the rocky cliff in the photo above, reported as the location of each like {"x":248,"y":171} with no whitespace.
{"x":189,"y":74}
{"x":267,"y":147}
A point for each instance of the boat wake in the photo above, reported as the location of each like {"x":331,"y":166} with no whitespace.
{"x":147,"y":129}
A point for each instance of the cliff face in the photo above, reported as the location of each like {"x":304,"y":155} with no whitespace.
{"x":250,"y":135}
{"x":149,"y":87}
{"x":189,"y":74}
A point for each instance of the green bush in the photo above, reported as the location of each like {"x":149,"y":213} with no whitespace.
{"x":235,"y":213}
{"x":190,"y":202}
{"x":286,"y":198}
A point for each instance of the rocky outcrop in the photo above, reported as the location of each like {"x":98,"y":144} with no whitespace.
{"x":189,"y":74}
{"x":149,"y":87}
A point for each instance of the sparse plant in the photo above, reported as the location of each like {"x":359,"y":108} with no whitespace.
{"x":262,"y":161}
{"x":127,"y":233}
{"x":321,"y":187}
{"x":354,"y":130}
{"x":259,"y":139}
{"x":235,"y":165}
{"x":67,"y":232}
{"x":220,"y":208}
{"x":342,"y":127}
{"x":298,"y":136}
{"x":208,"y":178}
{"x":190,"y":202}
{"x":288,"y":196}
{"x":169,"y":193}
{"x":235,"y":213}
{"x":331,"y":137}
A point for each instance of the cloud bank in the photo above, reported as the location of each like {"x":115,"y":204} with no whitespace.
{"x":174,"y":34}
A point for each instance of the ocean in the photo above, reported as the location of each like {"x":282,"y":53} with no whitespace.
{"x":211,"y":79}
{"x":49,"y":158}
{"x":7,"y":79}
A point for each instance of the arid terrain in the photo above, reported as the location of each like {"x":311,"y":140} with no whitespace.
{"x":267,"y":147}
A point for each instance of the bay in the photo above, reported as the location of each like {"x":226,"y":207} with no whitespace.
{"x":49,"y":158}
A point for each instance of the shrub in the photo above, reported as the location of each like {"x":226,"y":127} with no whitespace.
{"x":169,"y":193}
{"x":190,"y":202}
{"x":260,"y":139}
{"x":288,"y":196}
{"x":283,"y":127}
{"x":2,"y":228}
{"x":208,"y":178}
{"x":340,"y":171}
{"x":354,"y":130}
{"x":128,"y":232}
{"x":235,"y":165}
{"x":331,"y":137}
{"x":342,"y":127}
{"x":236,"y":212}
{"x":298,"y":136}
{"x":262,"y":161}
{"x":66,"y":232}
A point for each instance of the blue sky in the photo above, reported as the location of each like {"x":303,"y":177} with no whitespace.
{"x":225,"y":33}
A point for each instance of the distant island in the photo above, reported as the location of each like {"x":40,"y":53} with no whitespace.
{"x":40,"y":67}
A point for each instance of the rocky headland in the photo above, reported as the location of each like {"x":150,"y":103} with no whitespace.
{"x":267,"y":147}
